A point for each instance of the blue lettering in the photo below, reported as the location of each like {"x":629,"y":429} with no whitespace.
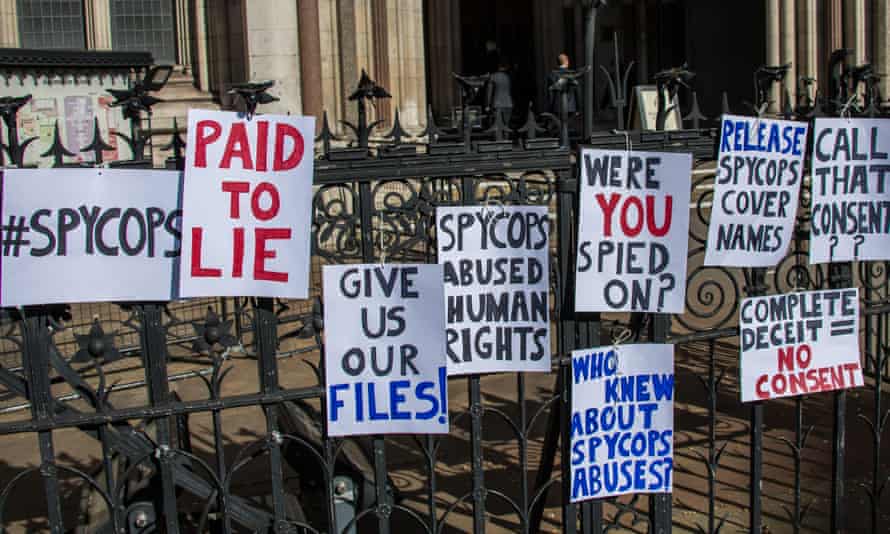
{"x":396,"y":398}
{"x":372,"y":405}
{"x":334,"y":402}
{"x":725,"y":136}
{"x":663,"y":386}
{"x":421,"y":392}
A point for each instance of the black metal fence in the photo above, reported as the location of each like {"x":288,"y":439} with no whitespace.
{"x":371,"y":200}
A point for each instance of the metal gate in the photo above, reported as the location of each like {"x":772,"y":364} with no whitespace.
{"x":380,"y":200}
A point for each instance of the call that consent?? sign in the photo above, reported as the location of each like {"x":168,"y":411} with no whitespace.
{"x":385,"y":349}
{"x":88,"y":235}
{"x":799,"y":343}
{"x":247,"y":200}
{"x":851,"y":190}
{"x":632,"y":231}
{"x":622,"y":429}
{"x":497,"y":287}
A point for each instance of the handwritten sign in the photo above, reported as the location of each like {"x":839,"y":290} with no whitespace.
{"x":622,"y":430}
{"x":497,"y":285}
{"x":851,"y":190}
{"x":247,"y":204}
{"x":799,"y":343}
{"x":385,"y":349}
{"x":87,"y":235}
{"x":759,"y":171}
{"x":632,"y":231}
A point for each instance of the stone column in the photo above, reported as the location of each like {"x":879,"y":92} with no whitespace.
{"x":349,"y":71}
{"x":443,"y":17}
{"x":789,"y":50}
{"x":332,"y":95}
{"x":773,"y":47}
{"x":199,"y":43}
{"x":854,"y":31}
{"x":97,"y":19}
{"x":9,"y":24}
{"x":382,"y":48}
{"x":402,"y":62}
{"x":273,"y":51}
{"x":183,"y":35}
{"x":807,"y":48}
{"x":310,"y":58}
{"x":882,"y":44}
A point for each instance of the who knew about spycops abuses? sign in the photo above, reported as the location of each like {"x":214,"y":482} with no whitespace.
{"x":88,"y":235}
{"x":622,"y":426}
{"x":799,"y":343}
{"x":247,"y":198}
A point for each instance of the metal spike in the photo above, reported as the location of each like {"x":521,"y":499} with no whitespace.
{"x":97,"y":145}
{"x":397,"y":131}
{"x":695,"y":114}
{"x":57,"y":150}
{"x":432,"y":131}
{"x":724,"y":108}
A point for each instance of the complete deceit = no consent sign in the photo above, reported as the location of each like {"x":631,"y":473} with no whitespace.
{"x":247,"y":200}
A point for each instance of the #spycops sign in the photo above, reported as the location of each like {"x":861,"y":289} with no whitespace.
{"x":851,"y":190}
{"x":496,"y":287}
{"x":247,"y":200}
{"x":759,"y":171}
{"x":632,"y":231}
{"x":799,"y":343}
{"x":622,"y":429}
{"x":385,"y":349}
{"x":80,"y":235}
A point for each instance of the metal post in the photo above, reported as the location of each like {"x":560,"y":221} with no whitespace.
{"x":589,"y":48}
{"x":756,"y":287}
{"x":266,"y":332}
{"x":660,"y":505}
{"x":35,"y":358}
{"x":152,"y":337}
{"x":840,"y":275}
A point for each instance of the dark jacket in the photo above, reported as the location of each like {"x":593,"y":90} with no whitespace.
{"x":499,"y":96}
{"x":572,"y":97}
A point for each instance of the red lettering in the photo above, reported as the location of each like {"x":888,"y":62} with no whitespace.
{"x":197,"y":270}
{"x":282,"y":132}
{"x":852,"y":368}
{"x":837,"y":377}
{"x":650,"y":219}
{"x":204,"y":138}
{"x":608,"y":208}
{"x":237,"y":146}
{"x":779,"y":389}
{"x":762,"y":393}
{"x":258,"y":211}
{"x":261,"y":254}
{"x":238,"y":253}
{"x":802,"y":362}
{"x":823,"y":379}
{"x":632,"y":231}
{"x":798,"y":383}
{"x":262,"y":148}
{"x":813,"y":380}
{"x":235,"y":189}
{"x":786,"y":359}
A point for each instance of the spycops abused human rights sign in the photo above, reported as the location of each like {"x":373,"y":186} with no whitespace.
{"x":756,"y":189}
{"x":385,"y":349}
{"x":497,"y":285}
{"x":88,"y":235}
{"x":851,"y":190}
{"x":622,"y":428}
{"x":247,"y":200}
{"x":799,"y":343}
{"x":632,"y":231}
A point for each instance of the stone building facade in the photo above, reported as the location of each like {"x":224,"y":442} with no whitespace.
{"x":315,"y":50}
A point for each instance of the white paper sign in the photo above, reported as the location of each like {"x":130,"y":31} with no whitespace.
{"x":385,"y":349}
{"x":88,"y":235}
{"x":799,"y":343}
{"x":247,"y":205}
{"x":632,"y":231}
{"x":497,"y":287}
{"x":759,"y":171}
{"x":622,"y":430}
{"x":851,"y":190}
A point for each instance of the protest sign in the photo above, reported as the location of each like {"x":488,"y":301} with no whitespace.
{"x":247,"y":205}
{"x":622,"y":428}
{"x":497,"y":287}
{"x":759,"y":171}
{"x":799,"y":343}
{"x":87,"y":235}
{"x":632,"y":231}
{"x":385,"y":349}
{"x":850,"y":189}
